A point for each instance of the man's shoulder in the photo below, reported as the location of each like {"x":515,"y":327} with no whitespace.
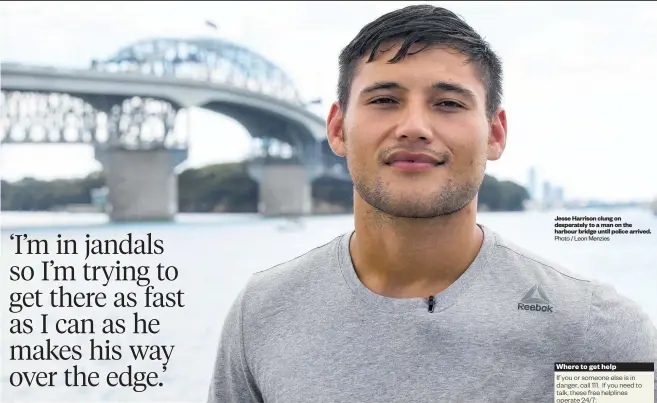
{"x":283,"y":281}
{"x":522,"y":263}
{"x":615,"y":325}
{"x":618,"y":328}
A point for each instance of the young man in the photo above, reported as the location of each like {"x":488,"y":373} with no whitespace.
{"x":419,"y":303}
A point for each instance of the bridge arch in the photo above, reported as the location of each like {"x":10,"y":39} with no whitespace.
{"x":207,"y":59}
{"x":237,"y":73}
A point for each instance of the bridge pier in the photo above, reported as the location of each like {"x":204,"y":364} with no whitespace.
{"x":285,"y":188}
{"x":142,"y":184}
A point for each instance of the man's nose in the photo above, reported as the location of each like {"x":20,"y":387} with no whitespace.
{"x":414,"y":124}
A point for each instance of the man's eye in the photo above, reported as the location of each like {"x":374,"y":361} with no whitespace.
{"x":383,"y":101}
{"x":450,"y":104}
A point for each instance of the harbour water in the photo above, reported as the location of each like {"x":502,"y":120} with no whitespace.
{"x":214,"y":256}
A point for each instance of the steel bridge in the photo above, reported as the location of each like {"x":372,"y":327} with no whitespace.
{"x":126,"y":106}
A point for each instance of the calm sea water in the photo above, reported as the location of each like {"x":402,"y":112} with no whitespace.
{"x":214,"y":255}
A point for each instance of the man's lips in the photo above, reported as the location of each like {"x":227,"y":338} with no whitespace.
{"x":408,"y":158}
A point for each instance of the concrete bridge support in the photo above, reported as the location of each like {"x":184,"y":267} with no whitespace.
{"x":142,"y":184}
{"x":285,"y":188}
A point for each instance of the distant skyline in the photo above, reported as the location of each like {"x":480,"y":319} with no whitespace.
{"x":580,"y":79}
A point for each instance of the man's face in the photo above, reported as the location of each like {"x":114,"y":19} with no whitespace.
{"x":415,"y":133}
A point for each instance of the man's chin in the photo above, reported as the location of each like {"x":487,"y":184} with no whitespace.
{"x":417,"y":201}
{"x":412,"y":211}
{"x":409,"y":205}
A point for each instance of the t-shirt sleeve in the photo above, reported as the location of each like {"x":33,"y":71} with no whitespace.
{"x":232,"y":381}
{"x":619,"y":330}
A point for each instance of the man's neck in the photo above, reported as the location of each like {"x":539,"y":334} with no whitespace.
{"x":405,"y":258}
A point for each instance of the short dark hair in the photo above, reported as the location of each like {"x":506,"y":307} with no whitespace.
{"x":427,"y":25}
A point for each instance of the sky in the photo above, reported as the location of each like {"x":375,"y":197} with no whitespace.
{"x":579,"y":78}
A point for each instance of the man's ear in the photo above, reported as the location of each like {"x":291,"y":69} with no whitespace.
{"x":334,"y":131}
{"x":497,"y":136}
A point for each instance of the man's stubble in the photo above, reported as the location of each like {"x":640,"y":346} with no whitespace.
{"x":447,"y":199}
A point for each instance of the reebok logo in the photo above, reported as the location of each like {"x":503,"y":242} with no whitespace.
{"x":535,"y":300}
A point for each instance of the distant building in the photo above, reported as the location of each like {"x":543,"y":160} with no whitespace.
{"x":552,"y":197}
{"x":557,"y":197}
{"x":547,"y":195}
{"x":531,"y":183}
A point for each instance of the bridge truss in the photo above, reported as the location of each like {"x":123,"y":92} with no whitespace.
{"x":205,"y":59}
{"x":54,"y":118}
{"x":143,"y":123}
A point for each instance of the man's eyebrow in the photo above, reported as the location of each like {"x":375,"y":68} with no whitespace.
{"x":382,"y":85}
{"x":451,"y":87}
{"x":439,"y":86}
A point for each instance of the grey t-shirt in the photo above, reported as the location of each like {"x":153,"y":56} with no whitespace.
{"x":308,"y":330}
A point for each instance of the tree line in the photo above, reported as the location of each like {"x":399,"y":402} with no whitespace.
{"x":223,"y":188}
